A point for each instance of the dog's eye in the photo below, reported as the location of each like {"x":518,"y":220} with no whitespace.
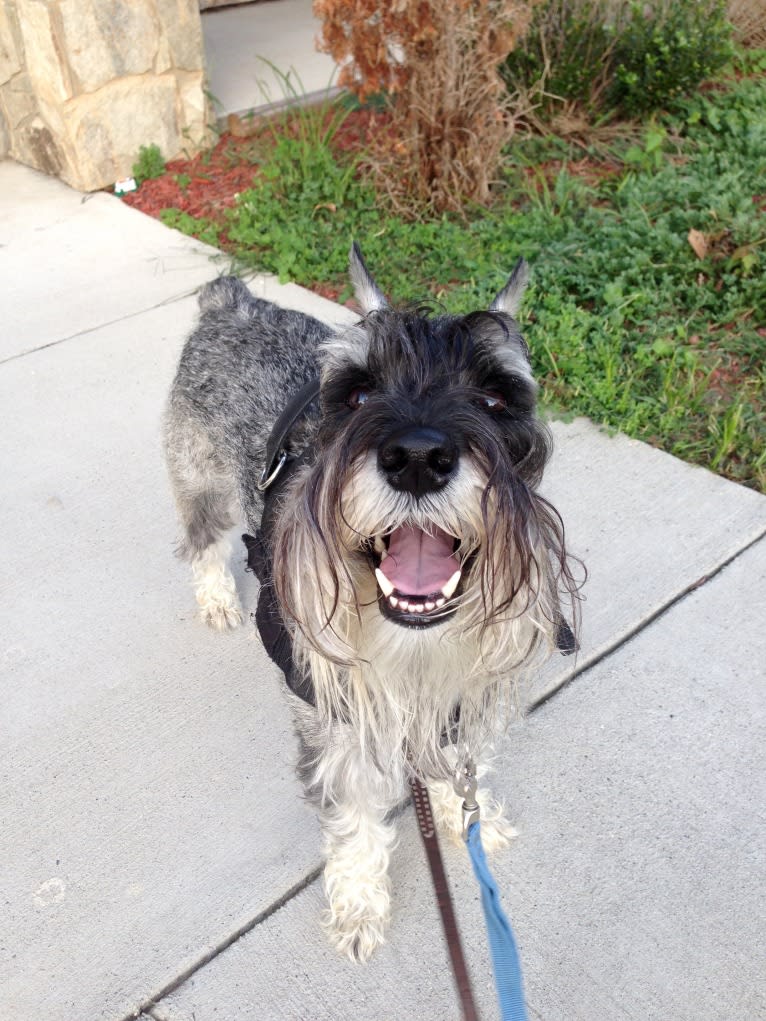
{"x":493,"y":401}
{"x":358,"y":397}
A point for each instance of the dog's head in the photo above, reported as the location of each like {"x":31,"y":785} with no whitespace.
{"x":420,"y":509}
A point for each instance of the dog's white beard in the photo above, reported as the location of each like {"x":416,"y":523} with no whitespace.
{"x":398,"y":687}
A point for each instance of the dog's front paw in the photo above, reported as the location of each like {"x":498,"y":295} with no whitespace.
{"x":216,"y":594}
{"x":358,"y":915}
{"x":221,"y":616}
{"x":215,"y":588}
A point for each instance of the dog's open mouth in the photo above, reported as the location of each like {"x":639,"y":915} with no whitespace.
{"x":419,"y":574}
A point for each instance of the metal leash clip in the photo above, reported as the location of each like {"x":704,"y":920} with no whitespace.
{"x":465,"y":785}
{"x":271,"y":471}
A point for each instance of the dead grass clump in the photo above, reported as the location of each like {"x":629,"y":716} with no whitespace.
{"x":748,"y":19}
{"x":437,"y":65}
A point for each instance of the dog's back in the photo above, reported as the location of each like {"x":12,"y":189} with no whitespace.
{"x":244,"y":360}
{"x":237,"y":370}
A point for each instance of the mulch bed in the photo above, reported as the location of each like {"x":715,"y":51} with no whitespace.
{"x":208,"y":184}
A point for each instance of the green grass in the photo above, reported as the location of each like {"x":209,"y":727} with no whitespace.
{"x":626,"y":324}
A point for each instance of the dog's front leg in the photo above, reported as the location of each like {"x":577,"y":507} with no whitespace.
{"x":353,"y":800}
{"x":496,"y":831}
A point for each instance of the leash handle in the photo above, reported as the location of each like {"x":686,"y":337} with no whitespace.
{"x":427,"y":829}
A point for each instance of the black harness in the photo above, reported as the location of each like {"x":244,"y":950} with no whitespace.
{"x":280,"y":466}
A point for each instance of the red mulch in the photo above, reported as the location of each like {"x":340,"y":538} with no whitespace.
{"x":214,"y":178}
{"x":210,"y":182}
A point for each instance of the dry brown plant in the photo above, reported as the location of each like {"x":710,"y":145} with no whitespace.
{"x":748,"y":20}
{"x":437,"y":64}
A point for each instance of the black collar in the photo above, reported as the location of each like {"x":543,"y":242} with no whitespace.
{"x":276,"y":453}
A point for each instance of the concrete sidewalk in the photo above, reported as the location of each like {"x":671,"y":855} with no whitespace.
{"x":155,"y":853}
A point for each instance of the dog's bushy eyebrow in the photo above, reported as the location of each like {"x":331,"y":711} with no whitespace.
{"x":416,"y":348}
{"x":338,"y":385}
{"x":415,"y":345}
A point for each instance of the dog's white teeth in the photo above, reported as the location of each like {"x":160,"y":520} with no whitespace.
{"x":385,"y":585}
{"x":393,"y":601}
{"x":429,"y":606}
{"x":380,"y":546}
{"x":418,"y":609}
{"x":449,"y":588}
{"x":403,"y":604}
{"x":440,"y":602}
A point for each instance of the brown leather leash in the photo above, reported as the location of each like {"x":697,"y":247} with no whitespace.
{"x":427,"y":828}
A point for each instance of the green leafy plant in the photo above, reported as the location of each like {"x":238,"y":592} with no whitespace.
{"x":565,"y":54}
{"x":650,"y":155}
{"x":618,"y":57}
{"x":183,"y":181}
{"x":198,"y":227}
{"x":150,"y":164}
{"x":665,"y":50}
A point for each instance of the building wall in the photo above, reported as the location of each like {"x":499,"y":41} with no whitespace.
{"x":85,"y":83}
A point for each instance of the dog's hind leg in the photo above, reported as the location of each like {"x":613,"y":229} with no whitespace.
{"x":353,"y":800}
{"x":206,"y":503}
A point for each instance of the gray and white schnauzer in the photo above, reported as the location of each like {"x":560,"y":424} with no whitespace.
{"x":410,"y":571}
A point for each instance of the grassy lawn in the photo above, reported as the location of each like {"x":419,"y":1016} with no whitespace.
{"x":627,"y":323}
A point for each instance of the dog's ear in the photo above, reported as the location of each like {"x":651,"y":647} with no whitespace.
{"x":509,"y":299}
{"x":368,"y":294}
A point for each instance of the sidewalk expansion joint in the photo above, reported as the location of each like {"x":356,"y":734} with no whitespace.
{"x":598,"y":657}
{"x":148,"y":1006}
{"x":100,"y":326}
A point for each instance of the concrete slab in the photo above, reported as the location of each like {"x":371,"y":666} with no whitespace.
{"x":635,"y":888}
{"x":647,"y":527}
{"x":71,"y":262}
{"x":241,"y":43}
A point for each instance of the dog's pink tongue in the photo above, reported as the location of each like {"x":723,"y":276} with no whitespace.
{"x":419,"y":563}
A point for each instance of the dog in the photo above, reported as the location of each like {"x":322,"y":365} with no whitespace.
{"x":411,"y":573}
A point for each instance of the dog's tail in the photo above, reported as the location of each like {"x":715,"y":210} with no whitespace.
{"x":225,"y":293}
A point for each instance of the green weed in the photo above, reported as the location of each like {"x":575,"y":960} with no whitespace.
{"x":149,"y":164}
{"x":197,"y":227}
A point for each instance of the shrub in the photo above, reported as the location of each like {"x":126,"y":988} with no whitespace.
{"x":566,"y":54}
{"x":619,"y":56}
{"x":437,"y":65}
{"x":663,"y":53}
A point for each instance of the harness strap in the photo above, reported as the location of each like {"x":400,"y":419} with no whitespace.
{"x":443,"y":898}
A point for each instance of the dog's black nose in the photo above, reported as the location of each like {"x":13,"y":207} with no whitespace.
{"x":418,"y":459}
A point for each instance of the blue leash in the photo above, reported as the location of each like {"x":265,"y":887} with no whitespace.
{"x":502,"y":945}
{"x":505,"y":956}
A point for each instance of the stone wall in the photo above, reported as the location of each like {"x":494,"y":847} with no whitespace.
{"x":85,"y":83}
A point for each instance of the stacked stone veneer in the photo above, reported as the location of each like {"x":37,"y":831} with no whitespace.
{"x":85,"y":83}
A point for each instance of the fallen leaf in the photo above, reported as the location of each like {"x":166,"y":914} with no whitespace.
{"x":698,"y":241}
{"x":243,"y":127}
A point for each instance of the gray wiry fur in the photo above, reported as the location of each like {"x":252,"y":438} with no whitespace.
{"x":237,"y":370}
{"x":427,"y":426}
